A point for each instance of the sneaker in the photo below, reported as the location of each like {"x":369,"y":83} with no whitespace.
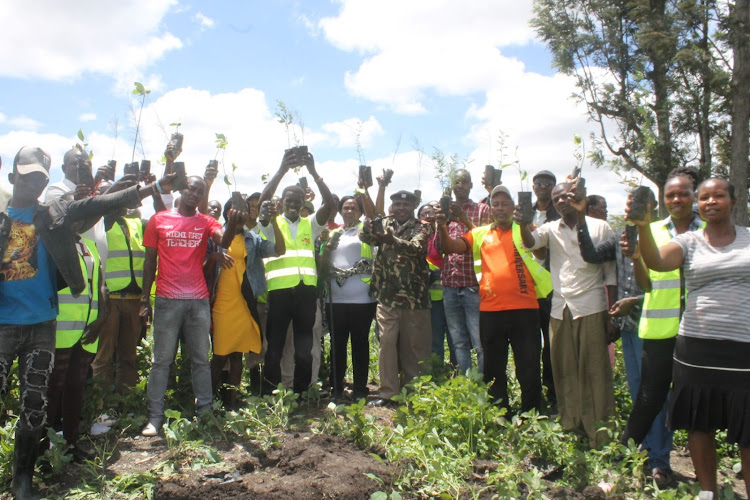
{"x":662,"y":477}
{"x":150,"y":430}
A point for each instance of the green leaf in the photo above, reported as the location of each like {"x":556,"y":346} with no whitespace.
{"x":379,"y":495}
{"x":576,"y":139}
{"x":139,"y":89}
{"x":175,"y":124}
{"x":80,"y":134}
{"x":226,"y":180}
{"x":234,"y":167}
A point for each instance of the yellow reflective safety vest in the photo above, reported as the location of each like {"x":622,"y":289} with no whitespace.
{"x":298,"y":263}
{"x":121,"y":257}
{"x":365,"y":251}
{"x":77,"y":312}
{"x":664,"y":304}
{"x":436,"y":289}
{"x":542,"y":278}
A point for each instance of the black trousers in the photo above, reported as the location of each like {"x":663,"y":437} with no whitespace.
{"x":298,"y":306}
{"x":518,"y":328}
{"x":545,"y":306}
{"x":656,"y":379}
{"x":350,"y":321}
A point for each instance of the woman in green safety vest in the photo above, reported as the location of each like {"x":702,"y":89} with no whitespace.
{"x":76,"y":343}
{"x":350,"y":308}
{"x":711,"y":366}
{"x":660,"y":318}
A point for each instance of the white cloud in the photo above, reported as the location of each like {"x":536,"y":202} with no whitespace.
{"x":414,"y":54}
{"x":21,"y":122}
{"x":409,"y":48}
{"x":87,"y":117}
{"x":204,"y":21}
{"x":107,"y":37}
{"x":343,"y":134}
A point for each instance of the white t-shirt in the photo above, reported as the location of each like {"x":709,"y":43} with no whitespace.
{"x":348,"y":252}
{"x":717,"y":280}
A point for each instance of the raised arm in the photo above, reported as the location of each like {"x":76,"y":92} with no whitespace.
{"x":666,"y":258}
{"x":448,"y":244}
{"x":329,"y":204}
{"x":288,"y":161}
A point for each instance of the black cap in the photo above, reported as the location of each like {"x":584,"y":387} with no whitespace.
{"x":544,"y":173}
{"x":404,"y":195}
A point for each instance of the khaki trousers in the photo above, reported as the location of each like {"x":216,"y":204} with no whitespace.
{"x":119,"y":337}
{"x":582,"y":373}
{"x":405,"y":341}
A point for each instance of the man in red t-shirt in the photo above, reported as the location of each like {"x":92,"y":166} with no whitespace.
{"x":179,"y":240}
{"x":508,"y":308}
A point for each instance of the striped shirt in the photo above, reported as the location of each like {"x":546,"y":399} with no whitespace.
{"x":718,"y":285}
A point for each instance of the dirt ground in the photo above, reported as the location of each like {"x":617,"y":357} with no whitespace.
{"x":303,"y":466}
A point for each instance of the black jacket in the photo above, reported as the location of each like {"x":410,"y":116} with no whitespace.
{"x":53,"y":221}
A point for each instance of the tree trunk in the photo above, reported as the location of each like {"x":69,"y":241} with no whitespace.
{"x":739,"y":36}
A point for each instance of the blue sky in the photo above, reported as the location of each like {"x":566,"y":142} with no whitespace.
{"x":445,"y":74}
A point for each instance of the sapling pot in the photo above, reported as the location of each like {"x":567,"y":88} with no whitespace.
{"x":638,"y":202}
{"x":492,"y":176}
{"x":631,"y":236}
{"x":527,"y":210}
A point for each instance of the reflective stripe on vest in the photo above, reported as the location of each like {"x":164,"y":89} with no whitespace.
{"x":541,"y":277}
{"x":436,"y":289}
{"x":117,"y":272}
{"x":77,"y":312}
{"x":660,"y":316}
{"x":365,"y":252}
{"x":299,"y":260}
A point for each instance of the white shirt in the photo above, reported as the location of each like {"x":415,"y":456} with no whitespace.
{"x":577,"y":285}
{"x":316,"y":228}
{"x":59,"y":189}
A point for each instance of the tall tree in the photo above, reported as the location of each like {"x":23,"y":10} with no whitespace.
{"x":739,"y":29}
{"x":654,"y":74}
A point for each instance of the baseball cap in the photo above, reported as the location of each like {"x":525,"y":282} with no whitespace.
{"x":501,"y":189}
{"x":31,"y":159}
{"x":544,"y":173}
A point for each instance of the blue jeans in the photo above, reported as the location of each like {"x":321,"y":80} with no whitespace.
{"x":658,"y":440}
{"x":193,"y":317}
{"x":462,"y":315}
{"x":440,"y":332}
{"x":35,"y":347}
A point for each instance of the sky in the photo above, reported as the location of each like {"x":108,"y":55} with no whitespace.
{"x":401,"y":79}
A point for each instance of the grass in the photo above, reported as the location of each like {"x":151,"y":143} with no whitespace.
{"x":446,"y":440}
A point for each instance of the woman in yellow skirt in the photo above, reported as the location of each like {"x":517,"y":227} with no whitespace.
{"x":240,"y":279}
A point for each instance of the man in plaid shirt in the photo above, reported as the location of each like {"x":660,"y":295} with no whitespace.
{"x":460,"y":287}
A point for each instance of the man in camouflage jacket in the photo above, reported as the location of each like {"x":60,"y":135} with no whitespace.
{"x":400,"y":283}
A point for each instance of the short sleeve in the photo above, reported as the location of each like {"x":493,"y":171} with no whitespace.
{"x":213,"y":226}
{"x":150,"y":235}
{"x":684,"y":241}
{"x":468,"y":237}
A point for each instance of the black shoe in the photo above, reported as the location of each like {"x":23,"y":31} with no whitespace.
{"x":383,"y":403}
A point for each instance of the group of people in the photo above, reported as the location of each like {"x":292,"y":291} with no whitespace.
{"x":83,"y":275}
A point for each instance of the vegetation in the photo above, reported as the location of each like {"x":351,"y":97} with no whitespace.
{"x":446,"y":440}
{"x":667,"y":81}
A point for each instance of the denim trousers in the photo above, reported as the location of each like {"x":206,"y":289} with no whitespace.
{"x":462,"y":314}
{"x":440,"y":333}
{"x":193,"y":317}
{"x":35,"y":347}
{"x":648,"y":366}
